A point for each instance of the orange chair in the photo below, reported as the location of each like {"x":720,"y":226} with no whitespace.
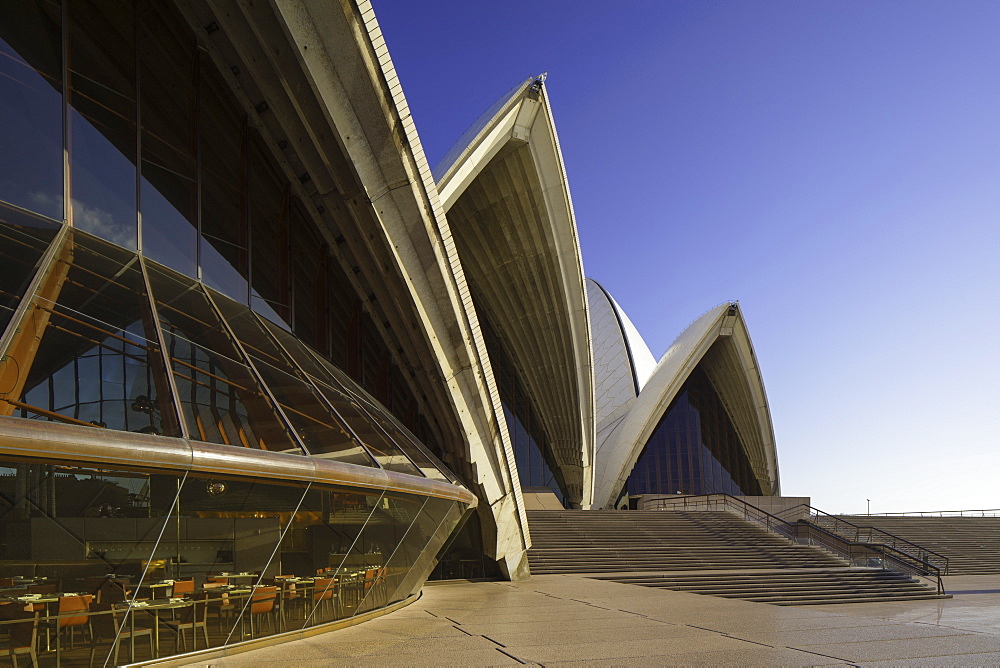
{"x":369,"y":579}
{"x":323,"y":594}
{"x":262,"y":603}
{"x":183,"y":588}
{"x":74,"y":613}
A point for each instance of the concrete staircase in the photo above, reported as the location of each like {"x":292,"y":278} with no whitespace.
{"x":794,"y":587}
{"x":613,"y":541}
{"x":705,"y":552}
{"x":972,"y":544}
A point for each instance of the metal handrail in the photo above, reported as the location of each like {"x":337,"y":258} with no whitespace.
{"x":869,"y":534}
{"x":855,"y":552}
{"x":987,"y":512}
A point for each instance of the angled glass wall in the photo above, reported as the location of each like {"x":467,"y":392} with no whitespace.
{"x":694,"y":449}
{"x":115,"y":121}
{"x":165,"y":288}
{"x":123,"y":564}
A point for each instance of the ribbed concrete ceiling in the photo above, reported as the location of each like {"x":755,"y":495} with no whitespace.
{"x":509,"y":254}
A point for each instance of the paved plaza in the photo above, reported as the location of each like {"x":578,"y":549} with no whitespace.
{"x":562,"y":620}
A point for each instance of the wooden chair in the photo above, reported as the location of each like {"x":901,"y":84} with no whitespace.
{"x":289,"y":599}
{"x":221,"y":603}
{"x":104,"y":626}
{"x":23,"y":635}
{"x":191,"y":619}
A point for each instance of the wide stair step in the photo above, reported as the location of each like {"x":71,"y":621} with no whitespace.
{"x":847,"y":585}
{"x":705,"y":552}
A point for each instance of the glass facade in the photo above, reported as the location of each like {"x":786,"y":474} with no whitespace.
{"x":526,"y":431}
{"x":112,"y":340}
{"x":694,"y":449}
{"x":161,"y":276}
{"x":114,"y":121}
{"x":167,"y":562}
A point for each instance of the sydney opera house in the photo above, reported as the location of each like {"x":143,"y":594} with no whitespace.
{"x":263,"y":370}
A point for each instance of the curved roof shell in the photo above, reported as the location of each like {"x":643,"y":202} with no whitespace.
{"x":720,"y":343}
{"x":508,"y":205}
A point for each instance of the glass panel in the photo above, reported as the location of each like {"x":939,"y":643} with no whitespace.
{"x":222,"y":131}
{"x":102,"y":119}
{"x":88,"y":352}
{"x":335,"y":543}
{"x":167,"y":68}
{"x":388,"y":455}
{"x":694,"y":449}
{"x":216,"y":389}
{"x":428,"y":464}
{"x":31,"y":132}
{"x":413,"y":557}
{"x":270,"y":198}
{"x":78,"y":539}
{"x":463,"y":556}
{"x":531,"y":446}
{"x":388,"y":427}
{"x":23,"y":240}
{"x":383,"y":538}
{"x":309,"y":279}
{"x":320,"y":430}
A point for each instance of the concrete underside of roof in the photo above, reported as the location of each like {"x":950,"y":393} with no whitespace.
{"x":316,"y":78}
{"x":720,"y":343}
{"x":510,"y":256}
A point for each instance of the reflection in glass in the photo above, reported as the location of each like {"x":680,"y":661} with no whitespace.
{"x":222,"y":132}
{"x":167,"y":69}
{"x":270,"y":201}
{"x":195,"y":561}
{"x":31,"y":170}
{"x":319,"y":428}
{"x":87,"y":538}
{"x":102,"y":115}
{"x":309,"y":280}
{"x":87,"y":353}
{"x":386,"y":426}
{"x":217,"y":391}
{"x":694,"y":449}
{"x":527,"y":433}
{"x":23,"y":239}
{"x":385,"y":451}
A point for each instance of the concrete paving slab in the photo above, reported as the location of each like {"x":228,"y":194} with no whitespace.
{"x":612,"y":634}
{"x":612,"y":651}
{"x":912,"y":648}
{"x":558,"y":620}
{"x":743,"y":657}
{"x":797,"y":637}
{"x":991,"y":659}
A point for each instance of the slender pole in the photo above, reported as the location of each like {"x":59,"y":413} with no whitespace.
{"x":869,"y":506}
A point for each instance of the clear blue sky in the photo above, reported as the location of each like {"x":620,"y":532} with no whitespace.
{"x":834,"y":166}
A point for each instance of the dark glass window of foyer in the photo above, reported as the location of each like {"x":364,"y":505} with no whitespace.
{"x":694,"y":449}
{"x":114,"y":120}
{"x":531,"y":448}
